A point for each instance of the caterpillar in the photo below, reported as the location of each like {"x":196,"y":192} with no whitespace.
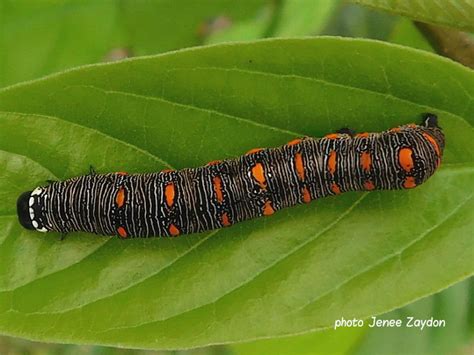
{"x":222,"y":193}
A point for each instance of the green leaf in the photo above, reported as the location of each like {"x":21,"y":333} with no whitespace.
{"x":451,"y":13}
{"x":354,"y":256}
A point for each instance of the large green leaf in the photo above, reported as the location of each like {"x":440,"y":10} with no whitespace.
{"x":355,"y":255}
{"x":452,"y":13}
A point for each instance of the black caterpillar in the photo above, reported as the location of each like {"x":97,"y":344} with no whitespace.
{"x":222,"y":193}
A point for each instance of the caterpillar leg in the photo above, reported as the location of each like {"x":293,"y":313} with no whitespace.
{"x":63,"y":236}
{"x":49,"y":181}
{"x":92,"y":170}
{"x":346,"y":130}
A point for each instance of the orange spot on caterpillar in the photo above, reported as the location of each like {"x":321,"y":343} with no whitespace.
{"x":411,"y":125}
{"x":306,"y":195}
{"x":253,"y":151}
{"x":174,"y":231}
{"x":335,"y":188}
{"x":299,"y":166}
{"x":259,"y":175}
{"x":395,"y":129}
{"x":294,"y":141}
{"x":332,"y":136}
{"x":225,"y":220}
{"x":122,"y":232}
{"x":409,"y":182}
{"x":369,"y":185}
{"x":405,"y":158}
{"x":213,"y":162}
{"x":332,"y":162}
{"x":362,"y":135}
{"x":268,"y":208}
{"x":169,"y":194}
{"x":166,"y":170}
{"x":217,"y":182}
{"x":366,"y":161}
{"x":120,"y":198}
{"x":433,"y":143}
{"x":121,"y":173}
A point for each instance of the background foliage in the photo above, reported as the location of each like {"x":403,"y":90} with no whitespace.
{"x":120,"y":111}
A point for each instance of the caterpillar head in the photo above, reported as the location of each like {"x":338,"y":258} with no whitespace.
{"x":30,"y":210}
{"x":430,"y":126}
